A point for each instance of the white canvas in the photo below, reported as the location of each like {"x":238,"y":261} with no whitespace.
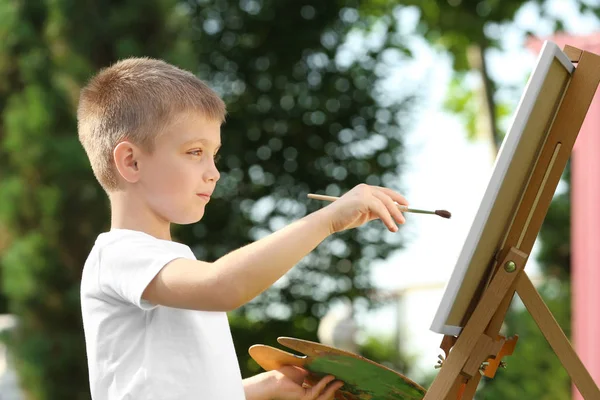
{"x":498,"y":191}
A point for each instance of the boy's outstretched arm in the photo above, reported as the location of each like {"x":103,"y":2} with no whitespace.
{"x":241,"y":275}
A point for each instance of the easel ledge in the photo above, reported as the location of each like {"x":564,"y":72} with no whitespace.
{"x":479,"y":342}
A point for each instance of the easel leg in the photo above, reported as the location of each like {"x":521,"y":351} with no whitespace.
{"x":471,"y":388}
{"x":463,"y":389}
{"x":457,"y":389}
{"x":557,"y":339}
{"x":472,"y":332}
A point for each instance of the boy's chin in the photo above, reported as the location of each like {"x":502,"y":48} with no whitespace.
{"x":188,"y":219}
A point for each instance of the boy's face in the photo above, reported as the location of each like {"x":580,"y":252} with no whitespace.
{"x":178,"y":178}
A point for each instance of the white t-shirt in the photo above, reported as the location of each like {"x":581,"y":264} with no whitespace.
{"x":139,"y":351}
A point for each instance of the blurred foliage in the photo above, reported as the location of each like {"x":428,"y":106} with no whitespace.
{"x":460,"y":27}
{"x":455,"y":25}
{"x":467,"y":29}
{"x":464,"y":100}
{"x":387,"y":352}
{"x":555,"y":236}
{"x":307,"y":113}
{"x":51,"y":208}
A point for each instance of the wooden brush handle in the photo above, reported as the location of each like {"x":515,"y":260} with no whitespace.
{"x":332,"y":198}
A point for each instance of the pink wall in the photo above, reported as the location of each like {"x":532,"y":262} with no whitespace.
{"x":585,"y":224}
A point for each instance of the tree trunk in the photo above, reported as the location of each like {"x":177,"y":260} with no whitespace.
{"x":487,"y":123}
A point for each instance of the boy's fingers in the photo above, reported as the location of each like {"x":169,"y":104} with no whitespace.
{"x":316,"y":390}
{"x":391,"y":206}
{"x":294,"y":373}
{"x":378,"y":207}
{"x":397,"y":197}
{"x":329,"y":394}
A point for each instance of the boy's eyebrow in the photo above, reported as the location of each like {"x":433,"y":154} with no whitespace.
{"x":203,"y":141}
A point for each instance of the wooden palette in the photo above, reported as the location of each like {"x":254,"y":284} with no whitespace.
{"x":363,"y":379}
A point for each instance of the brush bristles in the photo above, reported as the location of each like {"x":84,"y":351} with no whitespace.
{"x":443,"y":213}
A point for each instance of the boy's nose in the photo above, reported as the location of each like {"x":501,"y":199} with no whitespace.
{"x":213,"y":173}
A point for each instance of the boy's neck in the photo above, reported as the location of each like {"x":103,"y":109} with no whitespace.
{"x":130,"y":212}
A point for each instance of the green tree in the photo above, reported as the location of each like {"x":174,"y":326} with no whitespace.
{"x":51,"y":208}
{"x":463,"y":28}
{"x":305,"y":115}
{"x":459,"y":27}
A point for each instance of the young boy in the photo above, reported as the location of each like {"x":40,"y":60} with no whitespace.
{"x":155,"y":317}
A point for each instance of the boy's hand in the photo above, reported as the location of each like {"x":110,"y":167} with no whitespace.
{"x":365,"y":203}
{"x":289,"y":385}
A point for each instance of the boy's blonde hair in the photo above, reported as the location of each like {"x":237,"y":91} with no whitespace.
{"x":135,"y":99}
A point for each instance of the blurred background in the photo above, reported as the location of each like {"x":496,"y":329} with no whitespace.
{"x":322,"y":95}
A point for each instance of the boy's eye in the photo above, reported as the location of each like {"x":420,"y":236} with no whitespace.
{"x":198,"y":153}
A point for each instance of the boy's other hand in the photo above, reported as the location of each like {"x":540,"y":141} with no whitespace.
{"x":365,"y":203}
{"x":290,"y":385}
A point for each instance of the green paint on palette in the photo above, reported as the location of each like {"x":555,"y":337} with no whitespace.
{"x":363,"y":379}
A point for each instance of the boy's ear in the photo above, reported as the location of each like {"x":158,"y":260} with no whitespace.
{"x":125,"y":155}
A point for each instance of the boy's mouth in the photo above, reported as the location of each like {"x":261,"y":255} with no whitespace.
{"x":205,"y":196}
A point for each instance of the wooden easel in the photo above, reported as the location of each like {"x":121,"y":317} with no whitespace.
{"x":479,"y":340}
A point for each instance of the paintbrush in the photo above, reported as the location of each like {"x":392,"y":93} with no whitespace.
{"x":441,"y":213}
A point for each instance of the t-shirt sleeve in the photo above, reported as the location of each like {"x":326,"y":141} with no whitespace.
{"x":129,"y":264}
